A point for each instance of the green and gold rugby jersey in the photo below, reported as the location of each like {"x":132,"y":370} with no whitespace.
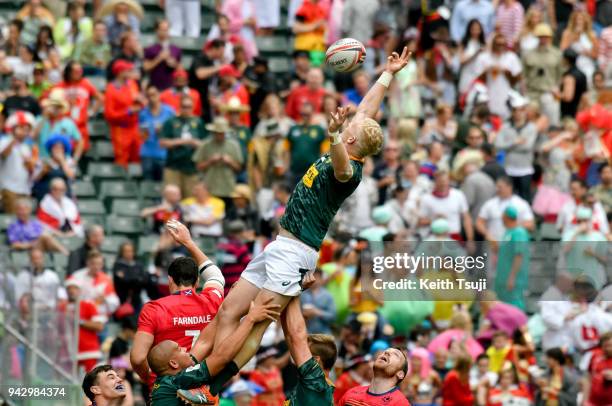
{"x":313,"y":387}
{"x":316,"y":200}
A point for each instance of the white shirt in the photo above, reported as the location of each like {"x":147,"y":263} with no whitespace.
{"x":197,"y":211}
{"x":451,"y":207}
{"x":92,"y":289}
{"x":493,"y":209}
{"x":567,"y":216}
{"x":586,"y":328}
{"x":498,"y":83}
{"x":554,"y":307}
{"x":13,"y":173}
{"x":45,"y":288}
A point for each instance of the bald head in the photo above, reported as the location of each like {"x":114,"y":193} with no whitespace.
{"x":168,"y":358}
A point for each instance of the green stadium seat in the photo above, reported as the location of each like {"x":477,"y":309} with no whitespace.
{"x":271,"y":44}
{"x":147,"y":244}
{"x":208,"y":20}
{"x":103,"y":150}
{"x":91,"y":206}
{"x":187,"y":43}
{"x":98,"y":129}
{"x":549,"y":232}
{"x":126,"y":207}
{"x":134,"y":171}
{"x":71,"y":243}
{"x":105,"y":170}
{"x":187,"y":61}
{"x":121,"y":189}
{"x":112,"y":243}
{"x":124,"y":225}
{"x":99,"y":82}
{"x":109,"y":259}
{"x":5,"y":221}
{"x":20,"y":259}
{"x":147,"y":40}
{"x":90,"y":220}
{"x":84,"y":188}
{"x":150,"y":190}
{"x":278,"y":65}
{"x":207,"y":244}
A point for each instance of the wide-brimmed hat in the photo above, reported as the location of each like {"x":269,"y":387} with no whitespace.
{"x":57,"y":98}
{"x":219,"y":125}
{"x":59,"y":138}
{"x":241,"y":191}
{"x":234,"y":105}
{"x":20,"y":118}
{"x":543,"y":30}
{"x":109,"y":8}
{"x":467,"y":156}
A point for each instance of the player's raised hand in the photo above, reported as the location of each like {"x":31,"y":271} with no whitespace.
{"x":337,"y":119}
{"x":396,"y":62}
{"x":308,"y":280}
{"x":179,"y":232}
{"x":262,"y":311}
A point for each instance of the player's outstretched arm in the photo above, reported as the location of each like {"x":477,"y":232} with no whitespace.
{"x":296,"y":335}
{"x":371,"y":102}
{"x":339,"y":156}
{"x":209,"y":271}
{"x":228,"y":349}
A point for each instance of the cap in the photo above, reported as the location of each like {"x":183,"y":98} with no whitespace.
{"x":72,"y":282}
{"x":229,"y":71}
{"x":584,"y":213}
{"x":266,"y":352}
{"x":122,"y":65}
{"x":357,"y":359}
{"x":179,"y":73}
{"x":381,"y":215}
{"x":439,"y":226}
{"x":242,"y":191}
{"x":378,"y":345}
{"x":543,"y":30}
{"x":511,"y":212}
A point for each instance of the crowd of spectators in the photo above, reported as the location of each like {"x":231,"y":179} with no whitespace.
{"x":499,"y":130}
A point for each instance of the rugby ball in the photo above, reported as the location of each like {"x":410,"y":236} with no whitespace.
{"x":345,"y":55}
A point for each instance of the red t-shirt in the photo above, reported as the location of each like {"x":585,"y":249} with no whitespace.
{"x":360,"y":396}
{"x":79,"y":94}
{"x":173,"y":99}
{"x":601,"y":390}
{"x":343,"y":384}
{"x":498,"y":398}
{"x":89,"y":344}
{"x":272,"y":382}
{"x":180,"y":317}
{"x":301,"y":94}
{"x":456,"y":392}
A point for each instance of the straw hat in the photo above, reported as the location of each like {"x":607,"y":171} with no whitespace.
{"x":234,"y":105}
{"x":242,"y":191}
{"x":219,"y":125}
{"x":543,"y":30}
{"x":57,"y":98}
{"x":109,"y":7}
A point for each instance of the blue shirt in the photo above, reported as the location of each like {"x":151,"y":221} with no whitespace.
{"x":24,"y":232}
{"x":64,"y":126}
{"x":322,"y":300}
{"x":150,"y":147}
{"x":466,"y":10}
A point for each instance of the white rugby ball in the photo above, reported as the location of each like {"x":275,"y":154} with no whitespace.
{"x":345,"y":55}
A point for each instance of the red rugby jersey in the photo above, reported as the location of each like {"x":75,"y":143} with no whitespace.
{"x":360,"y":396}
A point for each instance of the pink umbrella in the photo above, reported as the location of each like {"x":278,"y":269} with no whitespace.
{"x":444,"y":340}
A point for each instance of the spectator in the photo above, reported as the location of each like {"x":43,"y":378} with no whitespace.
{"x":517,"y":139}
{"x":184,"y":17}
{"x":560,"y":384}
{"x":585,"y":249}
{"x":96,"y":285}
{"x":59,"y":165}
{"x":169,"y":209}
{"x":17,"y":163}
{"x":242,"y":23}
{"x":542,"y":71}
{"x":28,"y":233}
{"x":268,"y":16}
{"x":450,"y":203}
{"x":229,"y":88}
{"x":46,"y":52}
{"x":242,"y":209}
{"x":477,"y":186}
{"x":508,"y":389}
{"x":236,"y":253}
{"x":556,"y":308}
{"x":91,"y":322}
{"x":475,"y":139}
{"x":221,"y":31}
{"x":80,"y":92}
{"x":13,"y":40}
{"x":161,"y":59}
{"x":129,"y":50}
{"x":467,"y":10}
{"x":580,"y":37}
{"x":436,"y":73}
{"x":20,"y":98}
{"x":95,"y":52}
{"x":22,"y":64}
{"x":513,"y":263}
{"x":498,"y":316}
{"x":509,"y":19}
{"x":204,"y":70}
{"x":357,"y":372}
{"x":151,"y":120}
{"x":130,"y":279}
{"x":481,"y":376}
{"x":120,"y":347}
{"x":318,"y":307}
{"x":242,"y":134}
{"x":40,"y":85}
{"x":312,"y":92}
{"x":605,"y":51}
{"x":122,"y":104}
{"x":472,"y":44}
{"x":219,"y":159}
{"x":358,"y":19}
{"x":599,"y":389}
{"x":268,"y":377}
{"x":306,"y":142}
{"x":34,"y":16}
{"x":593,"y":95}
{"x":490,"y":218}
{"x":94,"y":238}
{"x":122,"y":16}
{"x":173,"y":95}
{"x":528,"y":41}
{"x":70,"y":30}
{"x":491,"y":167}
{"x":40,"y":283}
{"x":573,"y":85}
{"x":456,"y":386}
{"x":204,"y":212}
{"x":603,"y":191}
{"x":441,"y":128}
{"x":58,"y":213}
{"x":566,"y":221}
{"x":422,"y":385}
{"x":500,"y":69}
{"x":55,"y":121}
{"x":272,"y":112}
{"x":299,"y":69}
{"x":309,"y":27}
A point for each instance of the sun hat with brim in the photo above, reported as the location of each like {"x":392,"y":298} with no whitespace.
{"x":234,"y":105}
{"x":468,"y":156}
{"x":59,"y":138}
{"x":584,"y":213}
{"x":109,"y":8}
{"x":20,"y":118}
{"x":241,"y":191}
{"x":439,"y":226}
{"x":543,"y":30}
{"x":219,"y":125}
{"x":57,"y":98}
{"x":381,"y":215}
{"x":511,"y":212}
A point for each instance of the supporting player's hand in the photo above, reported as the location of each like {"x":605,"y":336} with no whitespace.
{"x":262,"y":311}
{"x":337,"y":119}
{"x":396,"y":62}
{"x":179,"y":232}
{"x":308,"y":280}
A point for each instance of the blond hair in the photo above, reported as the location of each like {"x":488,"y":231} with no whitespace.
{"x":370,"y":138}
{"x":588,"y":24}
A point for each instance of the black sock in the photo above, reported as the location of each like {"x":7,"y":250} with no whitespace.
{"x":219,"y":380}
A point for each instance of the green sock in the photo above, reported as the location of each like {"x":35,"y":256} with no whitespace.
{"x":217,"y":382}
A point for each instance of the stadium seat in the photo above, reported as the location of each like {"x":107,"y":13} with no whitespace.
{"x":117,"y":188}
{"x":98,"y":129}
{"x":60,"y":261}
{"x":147,"y":40}
{"x":103,"y":150}
{"x":207,"y":244}
{"x":20,"y":260}
{"x":134,"y":171}
{"x":89,"y":220}
{"x":104,"y":170}
{"x":272,"y":44}
{"x":124,"y":225}
{"x":278,"y":65}
{"x":549,"y":232}
{"x":109,"y":259}
{"x":112,"y":243}
{"x":5,"y":221}
{"x":71,"y":243}
{"x":208,"y":20}
{"x":126,"y":207}
{"x":99,"y":82}
{"x":187,"y":44}
{"x":84,"y":188}
{"x":91,"y":206}
{"x":150,"y":190}
{"x":147,"y":244}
